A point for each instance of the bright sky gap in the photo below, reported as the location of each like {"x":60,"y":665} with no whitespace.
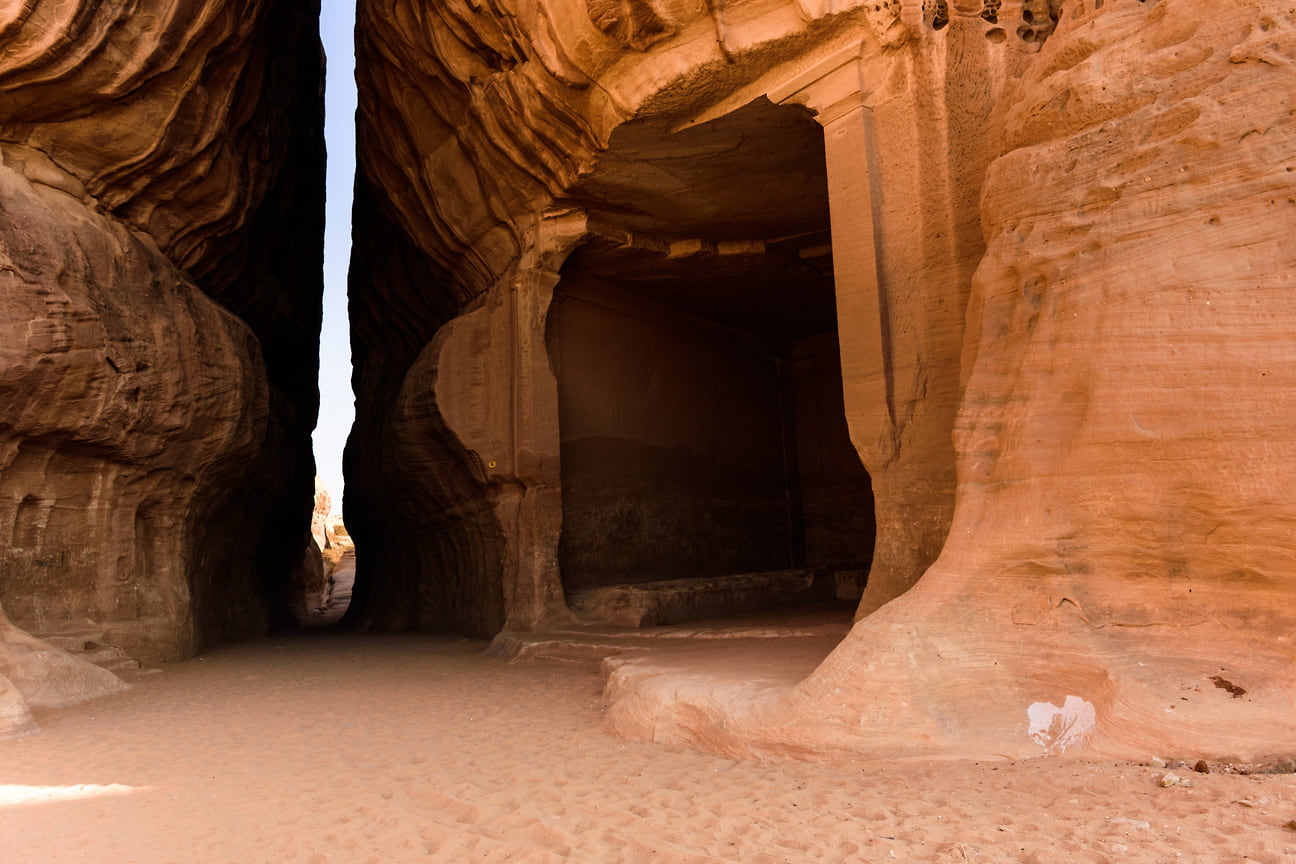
{"x":337,"y":405}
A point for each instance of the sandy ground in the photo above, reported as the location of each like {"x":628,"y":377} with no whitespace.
{"x":364,"y":748}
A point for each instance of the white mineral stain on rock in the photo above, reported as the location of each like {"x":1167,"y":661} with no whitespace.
{"x":1055,"y":729}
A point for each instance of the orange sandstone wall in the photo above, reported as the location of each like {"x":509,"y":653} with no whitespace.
{"x":1120,"y":572}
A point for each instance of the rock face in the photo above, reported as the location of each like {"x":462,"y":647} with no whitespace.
{"x":319,"y":585}
{"x":15,"y":716}
{"x":1118,"y":574}
{"x":630,"y":300}
{"x":35,"y":674}
{"x":135,"y":404}
{"x":48,"y":677}
{"x":320,"y":515}
{"x":989,"y":298}
{"x":1042,"y":244}
{"x":157,"y":347}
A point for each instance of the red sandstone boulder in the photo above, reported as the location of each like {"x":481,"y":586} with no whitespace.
{"x":15,"y":716}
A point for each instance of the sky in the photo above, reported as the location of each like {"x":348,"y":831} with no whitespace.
{"x":337,"y":405}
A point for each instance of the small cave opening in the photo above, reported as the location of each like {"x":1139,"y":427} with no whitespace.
{"x":707,"y":467}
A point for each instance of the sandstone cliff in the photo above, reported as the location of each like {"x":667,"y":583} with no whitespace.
{"x":492,"y":146}
{"x":986,"y":298}
{"x":1053,"y":234}
{"x":1118,"y":575}
{"x":160,"y":247}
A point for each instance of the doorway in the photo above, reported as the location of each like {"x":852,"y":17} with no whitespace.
{"x":705,"y":454}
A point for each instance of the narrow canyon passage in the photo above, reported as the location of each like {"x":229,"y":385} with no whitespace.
{"x":962,"y":328}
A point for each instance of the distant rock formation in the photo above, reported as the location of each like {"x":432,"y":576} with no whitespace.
{"x":320,"y":584}
{"x":320,"y":515}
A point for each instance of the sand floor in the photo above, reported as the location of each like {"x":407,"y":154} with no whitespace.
{"x":366,"y":748}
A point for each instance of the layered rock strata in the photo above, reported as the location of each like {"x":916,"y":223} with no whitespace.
{"x":1118,"y":578}
{"x":492,"y":146}
{"x":160,"y":247}
{"x":1078,"y":444}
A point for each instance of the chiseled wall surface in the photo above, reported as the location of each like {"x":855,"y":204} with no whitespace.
{"x":477,"y":124}
{"x":692,"y":449}
{"x":1120,"y":571}
{"x":672,"y":450}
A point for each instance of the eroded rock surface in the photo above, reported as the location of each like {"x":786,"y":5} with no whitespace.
{"x":35,"y":674}
{"x":15,"y":717}
{"x":157,"y":345}
{"x":321,"y":580}
{"x":510,"y":163}
{"x":1054,"y":238}
{"x":994,"y":294}
{"x":1118,"y":577}
{"x":129,"y":393}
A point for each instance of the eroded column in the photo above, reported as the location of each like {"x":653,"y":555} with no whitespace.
{"x":498,"y":394}
{"x":899,"y":306}
{"x":861,"y":293}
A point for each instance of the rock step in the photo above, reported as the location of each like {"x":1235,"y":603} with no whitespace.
{"x":89,"y":646}
{"x":73,"y":641}
{"x":673,"y":601}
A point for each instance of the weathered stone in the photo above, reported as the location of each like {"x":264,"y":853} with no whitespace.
{"x":1057,"y":272}
{"x":1119,"y":537}
{"x":157,"y":347}
{"x":320,"y":582}
{"x":15,"y":717}
{"x":487,"y":394}
{"x":34,"y":673}
{"x":129,"y":395}
{"x":341,"y":579}
{"x":988,"y":292}
{"x":47,"y":677}
{"x":320,"y":515}
{"x":308,"y":582}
